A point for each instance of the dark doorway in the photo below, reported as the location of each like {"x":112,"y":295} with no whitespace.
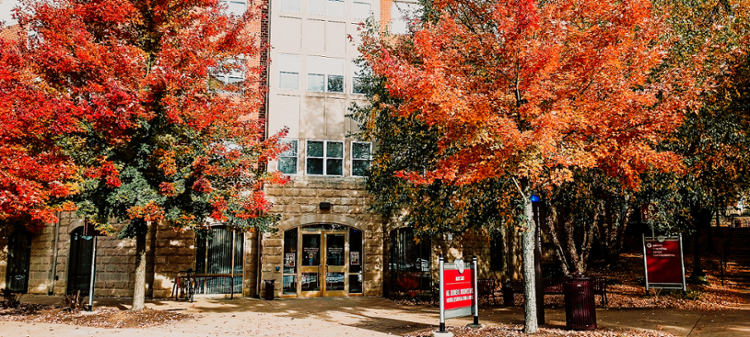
{"x":79,"y":263}
{"x":19,"y":260}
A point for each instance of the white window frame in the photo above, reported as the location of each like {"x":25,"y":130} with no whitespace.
{"x":227,"y":2}
{"x":288,"y":68}
{"x":326,"y":67}
{"x":224,"y":78}
{"x":352,"y":159}
{"x":296,"y":157}
{"x":325,"y":157}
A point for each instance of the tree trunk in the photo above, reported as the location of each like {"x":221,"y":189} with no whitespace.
{"x":139,"y":291}
{"x":529,"y":291}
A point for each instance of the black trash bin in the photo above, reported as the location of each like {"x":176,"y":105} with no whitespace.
{"x":268,"y":295}
{"x":580,"y":307}
{"x":508,"y":296}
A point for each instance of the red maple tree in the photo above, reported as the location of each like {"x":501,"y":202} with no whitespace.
{"x":156,"y":102}
{"x":530,"y":91}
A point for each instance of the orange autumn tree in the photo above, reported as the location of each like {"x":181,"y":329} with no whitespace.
{"x":532,"y":91}
{"x":35,"y":178}
{"x":160,"y":101}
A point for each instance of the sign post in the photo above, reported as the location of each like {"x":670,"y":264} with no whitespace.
{"x":90,"y":231}
{"x":663,"y":262}
{"x":458,"y":293}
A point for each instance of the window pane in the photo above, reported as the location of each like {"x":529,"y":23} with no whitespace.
{"x":288,"y":165}
{"x":290,"y":252}
{"x":290,"y":284}
{"x":335,"y":167}
{"x":358,"y":85}
{"x":310,"y":282}
{"x":360,"y":167}
{"x":335,"y":83}
{"x":334,"y":281}
{"x":292,"y":151}
{"x":288,"y":80}
{"x":361,"y":10}
{"x":316,"y":82}
{"x":336,"y":8}
{"x":237,"y":8}
{"x":314,"y":166}
{"x":335,"y":150}
{"x":290,"y":6}
{"x":361,"y":151}
{"x":316,"y":7}
{"x":314,"y":149}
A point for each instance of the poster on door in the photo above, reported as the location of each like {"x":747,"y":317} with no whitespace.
{"x":354,"y":258}
{"x":289,"y":259}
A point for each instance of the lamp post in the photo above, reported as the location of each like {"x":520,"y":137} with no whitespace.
{"x":538,"y":280}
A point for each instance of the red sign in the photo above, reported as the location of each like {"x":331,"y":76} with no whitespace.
{"x":664,"y":261}
{"x":459,"y":292}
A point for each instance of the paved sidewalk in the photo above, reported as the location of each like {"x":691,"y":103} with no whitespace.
{"x":333,"y":317}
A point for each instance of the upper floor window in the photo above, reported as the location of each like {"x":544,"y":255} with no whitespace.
{"x":325,"y":74}
{"x":358,"y":86}
{"x":325,"y":158}
{"x":288,"y":71}
{"x":402,"y":14}
{"x":334,"y":8}
{"x":290,"y":6}
{"x":229,"y":77}
{"x":288,"y":158}
{"x":361,"y":9}
{"x":235,"y":7}
{"x":361,"y":157}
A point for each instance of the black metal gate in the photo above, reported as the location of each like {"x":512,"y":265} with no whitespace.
{"x":19,"y":260}
{"x":79,"y":262}
{"x":219,"y":252}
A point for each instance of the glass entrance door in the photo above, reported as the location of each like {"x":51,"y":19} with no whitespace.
{"x":323,"y":263}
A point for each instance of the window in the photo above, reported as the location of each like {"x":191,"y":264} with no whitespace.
{"x":290,"y":6}
{"x":402,"y":13}
{"x":361,"y":10}
{"x":288,"y":158}
{"x":361,"y":157}
{"x":325,"y":158}
{"x":228,"y":77}
{"x":326,"y":7}
{"x":325,"y":74}
{"x":357,"y":83}
{"x":289,"y":71}
{"x":235,"y":7}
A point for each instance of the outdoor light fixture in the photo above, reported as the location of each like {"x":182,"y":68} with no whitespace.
{"x":535,"y":198}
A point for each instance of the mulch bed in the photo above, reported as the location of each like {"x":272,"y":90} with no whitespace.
{"x":516,"y":330}
{"x":110,"y":318}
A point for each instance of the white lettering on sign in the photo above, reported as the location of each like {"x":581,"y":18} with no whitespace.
{"x":458,"y":292}
{"x":460,"y":278}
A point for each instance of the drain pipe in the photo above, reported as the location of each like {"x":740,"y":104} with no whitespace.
{"x":53,"y":272}
{"x":260,"y":265}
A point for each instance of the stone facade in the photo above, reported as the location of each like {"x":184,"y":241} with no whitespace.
{"x":298,"y":202}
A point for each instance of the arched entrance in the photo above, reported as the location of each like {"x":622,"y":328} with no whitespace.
{"x":79,"y":262}
{"x":322,"y":260}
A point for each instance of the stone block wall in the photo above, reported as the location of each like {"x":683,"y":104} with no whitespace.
{"x":298,"y":203}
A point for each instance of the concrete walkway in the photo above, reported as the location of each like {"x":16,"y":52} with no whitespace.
{"x":365,"y":317}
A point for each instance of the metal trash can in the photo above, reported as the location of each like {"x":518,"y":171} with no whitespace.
{"x":269,"y":294}
{"x":580,"y":307}
{"x":508,"y":296}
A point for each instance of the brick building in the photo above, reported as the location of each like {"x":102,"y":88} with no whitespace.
{"x":327,"y":243}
